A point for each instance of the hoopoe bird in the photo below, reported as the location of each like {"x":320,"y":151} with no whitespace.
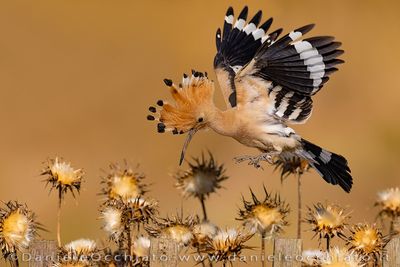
{"x":268,"y":83}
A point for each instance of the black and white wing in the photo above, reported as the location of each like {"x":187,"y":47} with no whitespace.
{"x":290,"y":71}
{"x":237,"y":45}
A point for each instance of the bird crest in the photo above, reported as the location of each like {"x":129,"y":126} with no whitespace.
{"x":191,"y":98}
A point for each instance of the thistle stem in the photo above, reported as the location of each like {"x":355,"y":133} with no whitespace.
{"x":263,"y":250}
{"x":392,"y":223}
{"x":203,"y":206}
{"x":202,"y":262}
{"x":59,"y":217}
{"x":129,"y":244}
{"x":299,"y":206}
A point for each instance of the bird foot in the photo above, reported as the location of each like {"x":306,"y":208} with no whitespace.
{"x":255,"y":160}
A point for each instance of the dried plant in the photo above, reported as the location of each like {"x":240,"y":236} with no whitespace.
{"x":327,"y":221}
{"x":18,"y":228}
{"x":367,"y":241}
{"x":267,"y":217}
{"x":80,"y":252}
{"x":121,"y":217}
{"x":341,"y":257}
{"x":291,"y":165}
{"x":141,"y":251}
{"x":62,"y":177}
{"x":389,"y":203}
{"x":123,"y":183}
{"x":312,"y":258}
{"x":227,"y":244}
{"x":113,"y":222}
{"x":203,"y":177}
{"x":202,"y":232}
{"x":177,"y":228}
{"x":296,"y":166}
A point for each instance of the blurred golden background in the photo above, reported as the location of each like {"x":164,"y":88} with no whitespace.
{"x":77,"y":77}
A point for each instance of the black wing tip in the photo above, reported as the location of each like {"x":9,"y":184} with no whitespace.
{"x":229,"y":11}
{"x":257,"y":18}
{"x":306,"y":28}
{"x":267,"y":24}
{"x":243,"y":13}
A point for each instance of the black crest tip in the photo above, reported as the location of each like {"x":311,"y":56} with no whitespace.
{"x":168,"y":82}
{"x":161,"y":127}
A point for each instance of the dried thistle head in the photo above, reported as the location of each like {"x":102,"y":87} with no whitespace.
{"x":227,"y":244}
{"x":312,"y":258}
{"x":113,"y":222}
{"x":291,"y":165}
{"x":141,"y":248}
{"x":176,"y":228}
{"x":202,"y":178}
{"x":123,"y":183}
{"x":202,"y":232}
{"x":62,"y":176}
{"x":327,"y":221}
{"x":18,"y":227}
{"x":341,"y":257}
{"x":268,"y":216}
{"x":142,"y":210}
{"x":389,"y":202}
{"x":69,"y":264}
{"x":81,"y":246}
{"x":366,"y":240}
{"x":78,"y":252}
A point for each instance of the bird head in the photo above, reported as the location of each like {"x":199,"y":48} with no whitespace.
{"x":191,"y":109}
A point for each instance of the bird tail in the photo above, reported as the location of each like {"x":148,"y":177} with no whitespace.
{"x":332,"y":167}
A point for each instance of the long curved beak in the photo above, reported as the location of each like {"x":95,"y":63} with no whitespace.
{"x":189,"y":137}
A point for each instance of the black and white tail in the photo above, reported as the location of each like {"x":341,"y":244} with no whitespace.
{"x":332,"y":167}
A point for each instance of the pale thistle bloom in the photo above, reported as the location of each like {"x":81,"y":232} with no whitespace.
{"x":327,"y":221}
{"x":367,"y":240}
{"x":18,"y":228}
{"x":81,"y":246}
{"x":123,"y":183}
{"x":268,"y":217}
{"x":62,"y":176}
{"x":226,"y":244}
{"x":79,"y":252}
{"x":113,"y":222}
{"x":389,"y":202}
{"x":177,"y":228}
{"x":203,"y":232}
{"x":312,"y":258}
{"x":341,"y":257}
{"x":141,"y":247}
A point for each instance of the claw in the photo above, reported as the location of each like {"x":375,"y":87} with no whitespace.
{"x":255,"y":160}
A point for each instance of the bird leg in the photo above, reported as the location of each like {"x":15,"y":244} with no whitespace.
{"x":255,"y":160}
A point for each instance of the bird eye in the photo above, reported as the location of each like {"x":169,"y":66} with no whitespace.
{"x":200,"y":119}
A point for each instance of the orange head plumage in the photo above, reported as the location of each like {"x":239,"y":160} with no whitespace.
{"x":193,"y":102}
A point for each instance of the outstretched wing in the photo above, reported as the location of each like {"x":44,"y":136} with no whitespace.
{"x":236,"y":47}
{"x":287,"y":73}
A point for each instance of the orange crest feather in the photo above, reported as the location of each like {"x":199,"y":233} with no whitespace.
{"x":191,"y":98}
